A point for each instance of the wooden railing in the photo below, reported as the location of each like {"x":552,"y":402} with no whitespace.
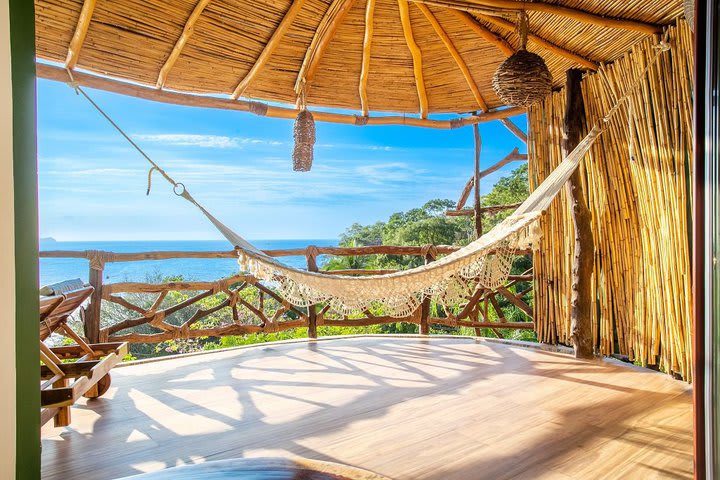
{"x":255,"y":307}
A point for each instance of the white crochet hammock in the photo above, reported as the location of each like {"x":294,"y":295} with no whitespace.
{"x":484,"y":263}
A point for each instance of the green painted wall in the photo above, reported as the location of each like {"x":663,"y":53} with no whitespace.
{"x":22,"y":44}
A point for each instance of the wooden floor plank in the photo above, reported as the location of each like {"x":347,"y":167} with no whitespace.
{"x":408,"y":408}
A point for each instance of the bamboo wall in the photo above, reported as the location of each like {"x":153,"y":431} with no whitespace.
{"x":637,"y":177}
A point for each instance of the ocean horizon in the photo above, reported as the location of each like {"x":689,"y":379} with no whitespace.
{"x":53,"y":270}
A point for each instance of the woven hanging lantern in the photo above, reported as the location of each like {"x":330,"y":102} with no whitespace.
{"x":304,"y":133}
{"x":689,"y":8}
{"x":523,"y":79}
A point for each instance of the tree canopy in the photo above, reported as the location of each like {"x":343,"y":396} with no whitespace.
{"x":427,"y":224}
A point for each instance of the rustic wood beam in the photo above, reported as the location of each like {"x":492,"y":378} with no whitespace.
{"x":78,"y":37}
{"x":477,"y":208}
{"x":511,"y":157}
{"x":416,"y":56}
{"x":581,"y":301}
{"x":579,"y":15}
{"x":333,"y":17}
{"x":187,"y":32}
{"x":367,"y":46}
{"x":515,"y":300}
{"x":514,"y":129}
{"x":461,"y":323}
{"x":52,"y":72}
{"x":484,"y":32}
{"x":269,"y":48}
{"x":358,"y":271}
{"x":312,"y":266}
{"x":445,"y":39}
{"x":492,"y":209}
{"x":540,"y":41}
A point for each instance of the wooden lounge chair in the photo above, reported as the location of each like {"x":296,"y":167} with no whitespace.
{"x":70,"y":371}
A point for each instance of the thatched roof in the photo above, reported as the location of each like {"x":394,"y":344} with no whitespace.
{"x":264,"y":49}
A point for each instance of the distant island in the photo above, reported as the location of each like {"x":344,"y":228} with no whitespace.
{"x":48,"y":239}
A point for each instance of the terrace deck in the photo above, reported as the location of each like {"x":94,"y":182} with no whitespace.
{"x":405,"y":407}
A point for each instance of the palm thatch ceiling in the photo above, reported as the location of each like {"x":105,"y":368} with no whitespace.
{"x":414,"y":57}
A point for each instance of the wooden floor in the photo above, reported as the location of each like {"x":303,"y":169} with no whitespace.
{"x":407,"y":408}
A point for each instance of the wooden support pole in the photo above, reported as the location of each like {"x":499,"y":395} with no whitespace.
{"x":425,"y":306}
{"x":367,"y":45}
{"x":484,"y":33}
{"x":477,"y":207}
{"x":270,"y":47}
{"x":445,"y":39}
{"x":333,"y":17}
{"x":92,"y":312}
{"x":416,"y":57}
{"x":551,"y":47}
{"x":581,"y":302}
{"x":482,"y":6}
{"x":81,"y":30}
{"x":312,"y":309}
{"x":187,"y":32}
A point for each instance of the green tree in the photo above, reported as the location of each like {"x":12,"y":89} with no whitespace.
{"x":508,"y":190}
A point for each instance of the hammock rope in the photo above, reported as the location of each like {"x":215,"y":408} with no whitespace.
{"x":484,"y":263}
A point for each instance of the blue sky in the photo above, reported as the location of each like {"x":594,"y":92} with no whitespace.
{"x":92,"y":183}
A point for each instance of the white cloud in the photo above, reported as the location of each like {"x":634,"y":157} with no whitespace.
{"x":181,"y":139}
{"x":204,"y":141}
{"x":388,"y":172}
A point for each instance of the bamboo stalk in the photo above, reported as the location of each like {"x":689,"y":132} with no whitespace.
{"x":636,"y":179}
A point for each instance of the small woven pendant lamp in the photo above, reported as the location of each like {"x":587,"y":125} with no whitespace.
{"x":523,"y":79}
{"x":304,"y":135}
{"x":689,"y":8}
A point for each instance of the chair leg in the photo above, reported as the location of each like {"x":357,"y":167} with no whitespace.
{"x":62,"y":418}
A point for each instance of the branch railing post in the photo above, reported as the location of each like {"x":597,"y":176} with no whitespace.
{"x":311,"y":257}
{"x":429,"y":254}
{"x":91,"y":317}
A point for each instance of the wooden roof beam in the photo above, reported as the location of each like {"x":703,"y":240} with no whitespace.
{"x":416,"y":56}
{"x":78,"y":37}
{"x":187,"y":32}
{"x":270,"y":47}
{"x":549,"y":46}
{"x":59,"y":74}
{"x":485,"y":33}
{"x":367,"y":45}
{"x":455,"y":54}
{"x":323,"y":35}
{"x":482,"y":6}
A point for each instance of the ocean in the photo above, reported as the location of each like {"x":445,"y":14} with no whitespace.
{"x":54,"y":270}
